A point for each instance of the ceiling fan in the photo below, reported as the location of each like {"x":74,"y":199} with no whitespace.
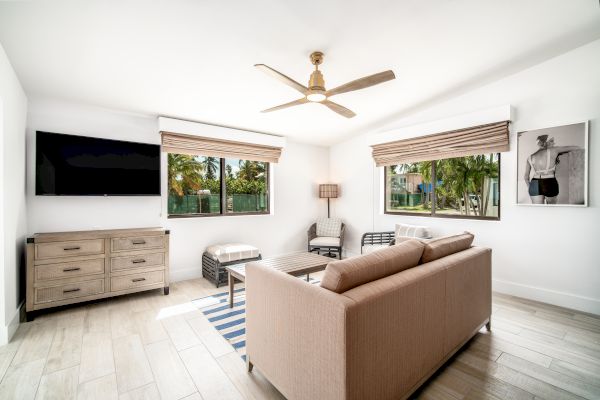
{"x":316,"y":92}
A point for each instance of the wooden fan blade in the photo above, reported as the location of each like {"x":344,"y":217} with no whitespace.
{"x":286,"y":105}
{"x":282,"y":78}
{"x":362,"y":83}
{"x":343,"y":111}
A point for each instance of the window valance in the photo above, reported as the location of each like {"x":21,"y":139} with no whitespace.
{"x":197,"y":145}
{"x":482,"y":139}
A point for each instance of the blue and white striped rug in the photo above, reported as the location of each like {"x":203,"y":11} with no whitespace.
{"x":229,"y":322}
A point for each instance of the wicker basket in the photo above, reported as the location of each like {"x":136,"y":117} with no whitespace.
{"x":214,"y":270}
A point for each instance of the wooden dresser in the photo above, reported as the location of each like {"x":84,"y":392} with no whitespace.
{"x":71,"y":267}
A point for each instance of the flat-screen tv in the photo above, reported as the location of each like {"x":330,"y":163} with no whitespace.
{"x":68,"y":165}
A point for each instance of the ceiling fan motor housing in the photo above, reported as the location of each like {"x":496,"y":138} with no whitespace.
{"x":316,"y":81}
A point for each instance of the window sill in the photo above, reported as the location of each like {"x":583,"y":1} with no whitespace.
{"x":183,"y":216}
{"x":446,"y":216}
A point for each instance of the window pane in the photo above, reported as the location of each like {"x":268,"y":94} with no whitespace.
{"x":468,"y":186}
{"x":247,"y":186}
{"x":194,"y":184}
{"x":408,"y":188}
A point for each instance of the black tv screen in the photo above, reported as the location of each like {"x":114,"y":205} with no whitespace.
{"x":68,"y":165}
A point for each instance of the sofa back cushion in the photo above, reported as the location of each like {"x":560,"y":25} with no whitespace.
{"x":344,"y":275}
{"x":329,"y":227}
{"x":444,"y":246}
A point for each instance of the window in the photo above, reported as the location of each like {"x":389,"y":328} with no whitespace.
{"x":462,"y":187}
{"x":201,"y":186}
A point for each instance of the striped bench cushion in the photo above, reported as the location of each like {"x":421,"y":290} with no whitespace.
{"x":232,"y":252}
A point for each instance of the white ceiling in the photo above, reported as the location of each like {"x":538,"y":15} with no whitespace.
{"x":194,"y":59}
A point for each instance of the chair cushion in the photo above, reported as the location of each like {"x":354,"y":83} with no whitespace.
{"x":325,"y":241}
{"x":331,"y":227}
{"x":344,"y":275}
{"x":444,"y":246}
{"x":405,"y":232}
{"x":232,"y":252}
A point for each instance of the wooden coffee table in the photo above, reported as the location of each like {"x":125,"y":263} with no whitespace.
{"x":296,"y":264}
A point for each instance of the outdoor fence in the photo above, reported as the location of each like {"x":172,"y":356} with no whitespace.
{"x":406,"y":200}
{"x":211,"y":203}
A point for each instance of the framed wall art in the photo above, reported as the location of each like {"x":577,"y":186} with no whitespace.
{"x":553,"y":166}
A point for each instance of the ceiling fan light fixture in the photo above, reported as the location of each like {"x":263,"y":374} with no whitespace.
{"x":316,"y":96}
{"x":315,"y":92}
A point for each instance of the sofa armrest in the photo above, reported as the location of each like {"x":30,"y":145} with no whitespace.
{"x":295,"y":333}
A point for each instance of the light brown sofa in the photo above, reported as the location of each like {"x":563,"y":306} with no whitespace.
{"x":378,"y":327}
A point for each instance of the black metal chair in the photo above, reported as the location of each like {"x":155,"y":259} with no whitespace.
{"x":377,"y":239}
{"x":331,"y":249}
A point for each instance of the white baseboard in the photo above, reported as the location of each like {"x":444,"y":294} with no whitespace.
{"x":351,"y":253}
{"x":8,"y":331}
{"x":562,"y":299}
{"x":176,"y":275}
{"x":183,"y":274}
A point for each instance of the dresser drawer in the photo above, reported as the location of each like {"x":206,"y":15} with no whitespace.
{"x":68,"y":291}
{"x":132,"y":281}
{"x":138,"y":243}
{"x":137,"y":261}
{"x":67,"y":249}
{"x":69,"y":269}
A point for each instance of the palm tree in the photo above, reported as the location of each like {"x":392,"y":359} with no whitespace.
{"x":465,"y":175}
{"x":455,"y":175}
{"x":211,"y":164}
{"x":484,"y":170}
{"x":248,"y":170}
{"x":184,"y":173}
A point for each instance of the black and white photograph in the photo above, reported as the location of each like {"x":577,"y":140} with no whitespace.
{"x":552,"y":166}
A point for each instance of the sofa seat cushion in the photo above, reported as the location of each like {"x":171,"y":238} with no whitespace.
{"x":344,"y":275}
{"x":330,"y":227}
{"x":232,"y":252}
{"x":325,"y":241}
{"x":444,"y":246}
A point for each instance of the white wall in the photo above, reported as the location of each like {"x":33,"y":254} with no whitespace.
{"x":546,"y":254}
{"x":296,"y":203}
{"x":12,"y":203}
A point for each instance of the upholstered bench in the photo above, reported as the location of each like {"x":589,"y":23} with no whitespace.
{"x":217,"y":257}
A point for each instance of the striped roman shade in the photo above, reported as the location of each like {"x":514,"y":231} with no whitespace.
{"x":482,"y":139}
{"x":203,"y":146}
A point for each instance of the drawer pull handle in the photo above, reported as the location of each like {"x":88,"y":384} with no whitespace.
{"x":138,"y":241}
{"x":71,"y":290}
{"x":71,"y":269}
{"x":138,"y":261}
{"x":71,"y":248}
{"x":138,"y":279}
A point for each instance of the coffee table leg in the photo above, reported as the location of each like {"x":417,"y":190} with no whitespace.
{"x":231,"y":284}
{"x":307,"y":277}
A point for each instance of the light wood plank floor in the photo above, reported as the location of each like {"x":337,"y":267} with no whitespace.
{"x":150,"y":346}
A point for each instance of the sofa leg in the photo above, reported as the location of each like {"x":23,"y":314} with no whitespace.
{"x":488,"y":325}
{"x":249,"y":365}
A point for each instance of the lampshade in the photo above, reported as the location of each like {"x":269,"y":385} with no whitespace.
{"x":328,"y":191}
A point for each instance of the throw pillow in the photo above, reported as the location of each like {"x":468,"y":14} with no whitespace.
{"x":406,"y":232}
{"x":330,"y":227}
